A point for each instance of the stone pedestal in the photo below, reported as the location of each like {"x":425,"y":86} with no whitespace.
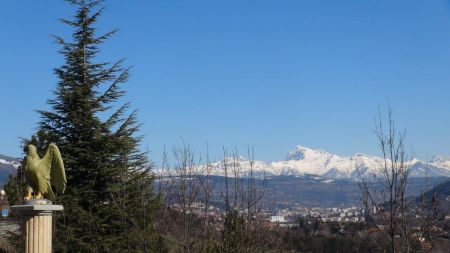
{"x":36,"y":226}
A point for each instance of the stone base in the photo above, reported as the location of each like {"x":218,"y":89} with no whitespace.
{"x":36,"y":226}
{"x":33,"y":202}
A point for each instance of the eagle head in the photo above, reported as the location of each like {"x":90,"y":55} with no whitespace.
{"x":30,"y":150}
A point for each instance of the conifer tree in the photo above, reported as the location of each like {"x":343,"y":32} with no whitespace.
{"x":108,"y":203}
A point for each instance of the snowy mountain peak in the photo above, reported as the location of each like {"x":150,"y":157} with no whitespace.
{"x":303,"y":160}
{"x":440,"y":159}
{"x":361,"y":155}
{"x":301,"y":153}
{"x":8,"y":166}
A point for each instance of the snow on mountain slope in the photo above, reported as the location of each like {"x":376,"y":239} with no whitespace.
{"x":242,"y":167}
{"x":304,"y":160}
{"x":6,"y":161}
{"x":441,"y":161}
{"x":319,"y":162}
{"x":8,"y":166}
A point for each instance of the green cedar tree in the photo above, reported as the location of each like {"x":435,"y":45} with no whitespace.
{"x":108,"y":204}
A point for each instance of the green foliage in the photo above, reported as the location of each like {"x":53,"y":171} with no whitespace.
{"x":235,"y":237}
{"x":295,"y":240}
{"x":109,"y":205}
{"x":334,"y":227}
{"x":15,"y":188}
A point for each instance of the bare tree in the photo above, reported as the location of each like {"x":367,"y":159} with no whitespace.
{"x":384,"y":190}
{"x":186,"y":187}
{"x":207,"y":186}
{"x":163,"y":185}
{"x":254,"y":199}
{"x":427,"y":215}
{"x":185,"y":191}
{"x":384,"y":193}
{"x":243,"y":197}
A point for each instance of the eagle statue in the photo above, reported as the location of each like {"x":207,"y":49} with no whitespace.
{"x":43,"y":174}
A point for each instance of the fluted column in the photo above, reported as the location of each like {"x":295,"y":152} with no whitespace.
{"x":36,"y":226}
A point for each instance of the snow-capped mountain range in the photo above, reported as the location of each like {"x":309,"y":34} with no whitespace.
{"x":9,"y":161}
{"x":304,"y":161}
{"x":8,"y":166}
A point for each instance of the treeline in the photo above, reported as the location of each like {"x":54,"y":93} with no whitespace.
{"x":191,"y":217}
{"x":328,"y":237}
{"x":243,"y":225}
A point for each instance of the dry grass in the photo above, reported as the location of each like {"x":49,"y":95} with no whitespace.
{"x":6,"y":247}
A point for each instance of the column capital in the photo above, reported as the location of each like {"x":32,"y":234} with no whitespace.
{"x":35,"y":210}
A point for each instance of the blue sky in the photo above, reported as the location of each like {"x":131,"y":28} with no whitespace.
{"x":272,"y":74}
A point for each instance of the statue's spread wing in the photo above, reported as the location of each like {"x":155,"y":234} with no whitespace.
{"x":55,"y":167}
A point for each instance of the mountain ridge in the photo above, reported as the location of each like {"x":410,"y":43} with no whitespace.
{"x":8,"y":166}
{"x":303,"y":161}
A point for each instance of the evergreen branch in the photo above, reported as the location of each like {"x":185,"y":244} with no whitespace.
{"x":108,"y":74}
{"x":114,"y":119}
{"x":105,"y":36}
{"x":82,"y":3}
{"x":125,"y":127}
{"x":68,"y":22}
{"x":94,"y":16}
{"x":113,"y":92}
